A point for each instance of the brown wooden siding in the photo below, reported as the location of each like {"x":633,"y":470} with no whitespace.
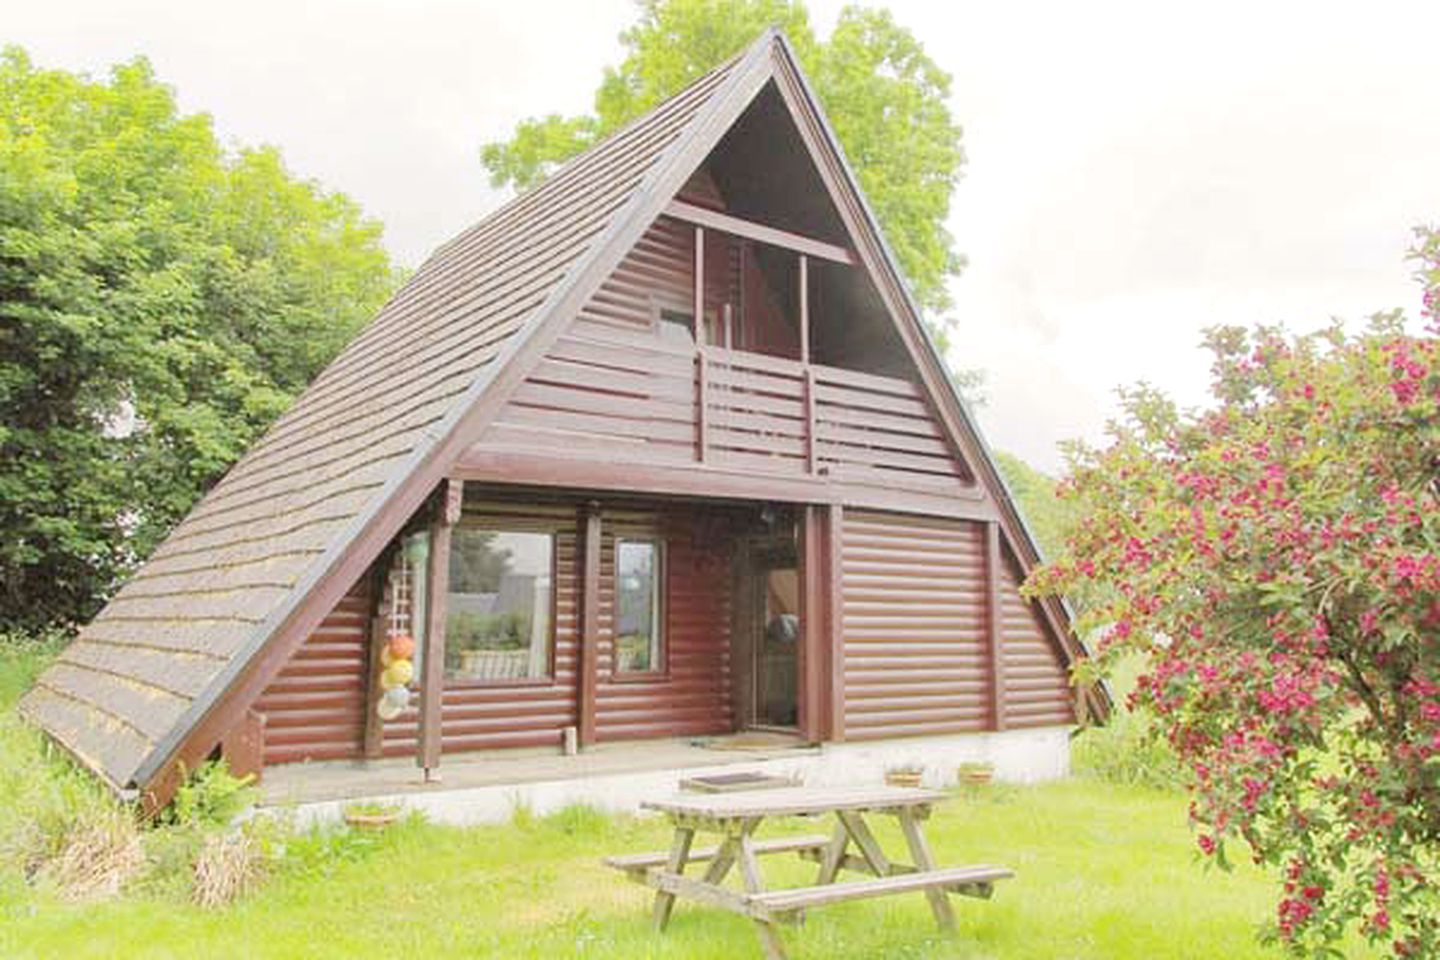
{"x":1037,"y":685}
{"x":692,"y":697}
{"x":315,"y":708}
{"x":661,"y":267}
{"x":915,"y":633}
{"x":914,"y":628}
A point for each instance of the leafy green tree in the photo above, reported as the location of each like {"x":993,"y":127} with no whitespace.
{"x":1275,"y":559}
{"x":1050,"y":519}
{"x":885,"y":97}
{"x":161,"y":301}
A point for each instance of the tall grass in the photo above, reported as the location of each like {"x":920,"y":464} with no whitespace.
{"x":1129,"y":750}
{"x":64,"y":835}
{"x":45,"y":799}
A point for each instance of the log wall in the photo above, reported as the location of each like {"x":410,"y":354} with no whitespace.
{"x":916,"y":634}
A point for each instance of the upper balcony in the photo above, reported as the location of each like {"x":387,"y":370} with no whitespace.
{"x":764,"y":386}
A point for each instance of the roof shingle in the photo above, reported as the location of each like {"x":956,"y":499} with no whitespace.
{"x":119,"y":691}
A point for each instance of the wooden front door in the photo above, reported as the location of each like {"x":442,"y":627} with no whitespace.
{"x":768,"y":634}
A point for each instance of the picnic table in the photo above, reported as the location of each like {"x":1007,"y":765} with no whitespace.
{"x":736,"y":816}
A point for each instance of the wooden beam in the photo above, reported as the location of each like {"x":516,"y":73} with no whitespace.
{"x":577,"y":472}
{"x":995,"y":624}
{"x":437,"y":586}
{"x":590,"y":544}
{"x":773,"y":236}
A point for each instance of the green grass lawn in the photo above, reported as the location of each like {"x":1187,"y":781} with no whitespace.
{"x":1102,"y":872}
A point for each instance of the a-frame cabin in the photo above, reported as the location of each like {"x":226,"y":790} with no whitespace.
{"x":659,"y":449}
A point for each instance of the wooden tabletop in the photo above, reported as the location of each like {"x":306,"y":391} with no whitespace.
{"x":793,"y":801}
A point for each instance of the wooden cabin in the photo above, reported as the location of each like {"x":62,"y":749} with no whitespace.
{"x":659,"y":449}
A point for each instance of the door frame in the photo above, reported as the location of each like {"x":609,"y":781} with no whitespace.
{"x":748,"y":599}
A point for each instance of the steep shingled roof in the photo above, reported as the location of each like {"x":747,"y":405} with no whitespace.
{"x":209,"y":595}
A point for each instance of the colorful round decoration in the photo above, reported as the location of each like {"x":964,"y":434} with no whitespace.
{"x":402,"y":646}
{"x":398,"y":674}
{"x":387,"y":710}
{"x":397,"y":697}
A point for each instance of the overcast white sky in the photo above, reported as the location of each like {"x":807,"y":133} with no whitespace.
{"x":1137,"y":171}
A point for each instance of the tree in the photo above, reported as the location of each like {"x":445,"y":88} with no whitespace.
{"x":1277,"y":559}
{"x":161,"y":301}
{"x":884,"y":96}
{"x":1049,"y":518}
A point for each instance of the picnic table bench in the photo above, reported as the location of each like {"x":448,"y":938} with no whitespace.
{"x":736,"y":816}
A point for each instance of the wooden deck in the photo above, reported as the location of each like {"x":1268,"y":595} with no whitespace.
{"x":297,"y":783}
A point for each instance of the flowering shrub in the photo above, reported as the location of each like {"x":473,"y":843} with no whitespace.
{"x":1277,"y":558}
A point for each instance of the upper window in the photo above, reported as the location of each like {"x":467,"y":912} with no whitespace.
{"x":638,"y":634}
{"x":676,"y":327}
{"x":498,"y":608}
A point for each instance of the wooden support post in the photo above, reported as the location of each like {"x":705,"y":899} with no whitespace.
{"x":742,"y":286}
{"x":437,"y":586}
{"x":807,"y":388}
{"x":590,"y":544}
{"x":995,"y":624}
{"x":243,"y":748}
{"x":702,"y":399}
{"x":821,"y":682}
{"x":699,"y":293}
{"x":804,"y":309}
{"x":702,"y":404}
{"x":815,"y":632}
{"x":834,"y":601}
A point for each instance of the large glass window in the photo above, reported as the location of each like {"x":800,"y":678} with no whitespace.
{"x":498,"y":608}
{"x":637,"y":606}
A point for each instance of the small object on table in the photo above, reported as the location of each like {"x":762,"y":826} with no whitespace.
{"x":734,"y":782}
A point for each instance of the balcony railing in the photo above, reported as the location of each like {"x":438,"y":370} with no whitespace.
{"x":778,"y":416}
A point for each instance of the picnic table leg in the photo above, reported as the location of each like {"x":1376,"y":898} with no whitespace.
{"x":855,"y":825}
{"x":750,"y":874}
{"x":724,"y":860}
{"x":925,"y":860}
{"x":679,"y":853}
{"x":834,"y":855}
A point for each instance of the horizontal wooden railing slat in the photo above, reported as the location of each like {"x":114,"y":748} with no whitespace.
{"x":777,"y":415}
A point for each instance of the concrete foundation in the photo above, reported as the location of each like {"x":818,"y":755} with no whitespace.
{"x":618,"y":777}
